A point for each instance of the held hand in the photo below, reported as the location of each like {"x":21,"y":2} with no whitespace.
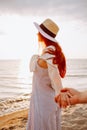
{"x":63,"y":99}
{"x":75,"y":95}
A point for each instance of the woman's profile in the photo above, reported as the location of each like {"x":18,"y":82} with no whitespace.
{"x":48,"y":68}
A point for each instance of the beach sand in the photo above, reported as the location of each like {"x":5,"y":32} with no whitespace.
{"x":14,"y":114}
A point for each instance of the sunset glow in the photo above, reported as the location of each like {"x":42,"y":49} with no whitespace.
{"x":18,"y":39}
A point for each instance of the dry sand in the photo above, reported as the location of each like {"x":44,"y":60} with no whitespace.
{"x":14,"y":114}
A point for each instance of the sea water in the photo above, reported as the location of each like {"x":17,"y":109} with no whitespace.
{"x":16,"y":79}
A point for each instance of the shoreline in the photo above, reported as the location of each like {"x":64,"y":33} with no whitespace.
{"x":14,"y":115}
{"x":14,"y":112}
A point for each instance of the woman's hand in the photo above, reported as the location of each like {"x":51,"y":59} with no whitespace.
{"x":63,"y":99}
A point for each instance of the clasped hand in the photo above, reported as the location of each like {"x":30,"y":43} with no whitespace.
{"x":63,"y":99}
{"x":68,"y":96}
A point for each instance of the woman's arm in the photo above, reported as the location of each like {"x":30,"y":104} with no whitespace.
{"x":55,"y":78}
{"x":46,"y":61}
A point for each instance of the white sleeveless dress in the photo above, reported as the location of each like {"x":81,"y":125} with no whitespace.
{"x":44,"y":113}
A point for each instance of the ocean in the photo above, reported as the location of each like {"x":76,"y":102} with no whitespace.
{"x":16,"y":80}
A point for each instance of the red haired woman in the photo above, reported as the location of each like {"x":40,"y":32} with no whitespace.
{"x":48,"y":68}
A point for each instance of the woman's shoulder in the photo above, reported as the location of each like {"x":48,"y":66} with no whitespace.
{"x":33,"y":59}
{"x":33,"y":62}
{"x":35,"y":56}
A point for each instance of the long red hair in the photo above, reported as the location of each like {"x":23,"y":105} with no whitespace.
{"x":59,"y":58}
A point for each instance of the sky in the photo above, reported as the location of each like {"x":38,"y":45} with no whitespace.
{"x":18,"y":39}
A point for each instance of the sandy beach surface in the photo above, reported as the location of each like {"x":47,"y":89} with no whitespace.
{"x":14,"y":114}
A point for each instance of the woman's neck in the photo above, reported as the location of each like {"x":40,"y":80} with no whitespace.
{"x":41,"y":48}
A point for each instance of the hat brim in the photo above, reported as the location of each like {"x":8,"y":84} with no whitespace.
{"x":43,"y":33}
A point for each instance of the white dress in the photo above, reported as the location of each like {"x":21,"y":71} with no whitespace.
{"x":44,"y":113}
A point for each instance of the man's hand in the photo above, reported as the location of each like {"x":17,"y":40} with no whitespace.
{"x":72,"y":97}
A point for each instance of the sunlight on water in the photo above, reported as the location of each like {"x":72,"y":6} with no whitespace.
{"x":24,"y":76}
{"x":16,"y":79}
{"x":24,"y":69}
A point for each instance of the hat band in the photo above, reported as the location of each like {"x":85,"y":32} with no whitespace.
{"x":47,"y":31}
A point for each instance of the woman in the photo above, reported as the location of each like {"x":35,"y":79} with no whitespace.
{"x":48,"y":69}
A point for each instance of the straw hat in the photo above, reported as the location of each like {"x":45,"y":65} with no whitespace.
{"x":48,"y":29}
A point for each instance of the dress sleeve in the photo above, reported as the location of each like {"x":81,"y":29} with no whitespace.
{"x":55,"y":78}
{"x":53,"y":72}
{"x":33,"y":62}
